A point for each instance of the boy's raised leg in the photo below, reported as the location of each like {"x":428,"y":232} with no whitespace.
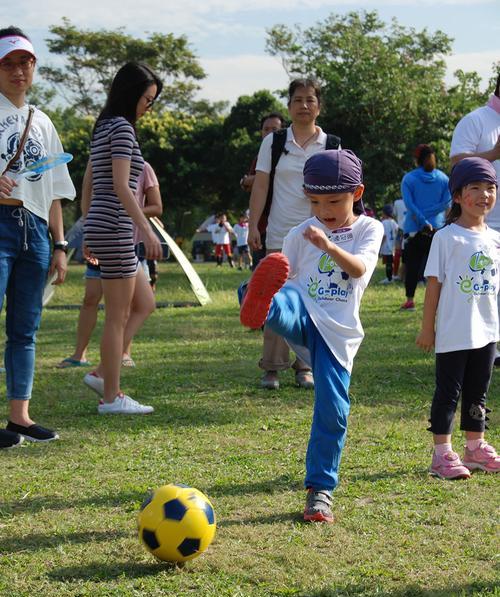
{"x":269,"y":276}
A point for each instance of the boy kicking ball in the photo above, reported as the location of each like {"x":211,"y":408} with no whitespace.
{"x":310,"y":294}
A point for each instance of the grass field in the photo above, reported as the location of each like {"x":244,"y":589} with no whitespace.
{"x":68,"y":510}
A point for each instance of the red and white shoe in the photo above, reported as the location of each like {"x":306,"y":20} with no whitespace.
{"x":123,"y":405}
{"x":318,"y":506}
{"x":268,"y":277}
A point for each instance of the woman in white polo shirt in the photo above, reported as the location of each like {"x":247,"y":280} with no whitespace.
{"x":29,"y":208}
{"x":289,"y":206}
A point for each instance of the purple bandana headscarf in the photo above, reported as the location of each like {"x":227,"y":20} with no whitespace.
{"x":334,"y":171}
{"x":471,"y":170}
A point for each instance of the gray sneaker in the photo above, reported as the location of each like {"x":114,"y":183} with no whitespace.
{"x":318,"y":506}
{"x":270,"y":380}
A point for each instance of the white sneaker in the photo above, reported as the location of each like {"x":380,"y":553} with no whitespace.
{"x":123,"y":405}
{"x":396,"y":278}
{"x":94,"y":382}
{"x":385,"y":281}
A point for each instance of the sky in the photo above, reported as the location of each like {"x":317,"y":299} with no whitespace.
{"x":228,"y":36}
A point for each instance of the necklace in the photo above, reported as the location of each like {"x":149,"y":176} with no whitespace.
{"x":304,"y":143}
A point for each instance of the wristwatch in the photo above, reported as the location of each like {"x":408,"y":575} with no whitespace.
{"x":61,"y":245}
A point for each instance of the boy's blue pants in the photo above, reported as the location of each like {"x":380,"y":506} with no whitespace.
{"x":289,"y":318}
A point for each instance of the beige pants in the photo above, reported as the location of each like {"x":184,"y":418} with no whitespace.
{"x":276,"y":352}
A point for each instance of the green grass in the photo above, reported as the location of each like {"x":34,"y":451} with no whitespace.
{"x":68,"y":510}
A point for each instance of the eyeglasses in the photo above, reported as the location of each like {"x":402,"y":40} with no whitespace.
{"x":24,"y":64}
{"x":149,"y":101}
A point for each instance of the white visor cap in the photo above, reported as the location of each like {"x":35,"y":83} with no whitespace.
{"x":11,"y":43}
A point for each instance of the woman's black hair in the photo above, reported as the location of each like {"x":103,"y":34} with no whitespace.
{"x":129,"y":84}
{"x":306,"y":82}
{"x":497,"y":88}
{"x":424,"y":153}
{"x":455,"y":210}
{"x":8,"y":31}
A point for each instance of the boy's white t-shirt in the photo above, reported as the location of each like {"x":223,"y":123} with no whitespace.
{"x":331,"y":297}
{"x":390,"y":233}
{"x":38,"y":190}
{"x":400,"y":212}
{"x":466,"y":264}
{"x":220,"y":234}
{"x":478,"y":131}
{"x":290,"y":206}
{"x":241,"y":233}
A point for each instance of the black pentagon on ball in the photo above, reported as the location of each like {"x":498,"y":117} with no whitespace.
{"x":189,"y":546}
{"x":149,"y":538}
{"x":209,"y":513}
{"x":174,"y":509}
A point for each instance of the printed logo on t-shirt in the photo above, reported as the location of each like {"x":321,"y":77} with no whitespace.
{"x":481,"y":281}
{"x":32,"y":152}
{"x":332,"y":283}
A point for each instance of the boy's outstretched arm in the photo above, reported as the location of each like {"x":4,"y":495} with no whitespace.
{"x":427,"y":335}
{"x":351,"y":264}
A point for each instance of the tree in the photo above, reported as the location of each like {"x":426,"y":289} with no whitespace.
{"x":383,"y":88}
{"x":92,"y":58}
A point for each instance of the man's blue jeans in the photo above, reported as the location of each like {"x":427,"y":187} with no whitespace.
{"x":24,"y":264}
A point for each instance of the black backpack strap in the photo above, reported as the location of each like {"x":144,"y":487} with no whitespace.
{"x":277,"y":148}
{"x":332,"y":141}
{"x":279,"y":140}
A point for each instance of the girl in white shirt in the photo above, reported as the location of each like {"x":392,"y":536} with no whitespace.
{"x":461,"y":320}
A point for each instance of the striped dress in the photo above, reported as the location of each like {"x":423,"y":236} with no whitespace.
{"x":108,"y":229}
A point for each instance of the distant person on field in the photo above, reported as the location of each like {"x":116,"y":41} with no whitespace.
{"x":241,"y":233}
{"x":369,"y":211}
{"x":310,"y":295}
{"x":388,"y":242}
{"x":221,"y":232}
{"x":426,"y":196}
{"x":478,"y":134}
{"x":399,"y":212}
{"x":461,"y":319}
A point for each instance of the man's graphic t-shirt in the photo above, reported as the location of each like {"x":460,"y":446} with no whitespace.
{"x":466,"y":264}
{"x":330,"y":295}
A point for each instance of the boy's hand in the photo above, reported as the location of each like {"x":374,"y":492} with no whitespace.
{"x":425,"y":340}
{"x":317,"y":237}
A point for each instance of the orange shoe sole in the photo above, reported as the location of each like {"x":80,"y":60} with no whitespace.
{"x":318,"y":517}
{"x":268,"y":277}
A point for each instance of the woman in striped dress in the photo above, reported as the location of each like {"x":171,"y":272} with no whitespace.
{"x":114,"y":167}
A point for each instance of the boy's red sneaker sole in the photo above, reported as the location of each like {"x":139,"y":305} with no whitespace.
{"x":317,"y":517}
{"x":268,"y":277}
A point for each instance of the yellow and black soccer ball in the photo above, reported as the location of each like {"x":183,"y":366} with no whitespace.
{"x":176,"y":523}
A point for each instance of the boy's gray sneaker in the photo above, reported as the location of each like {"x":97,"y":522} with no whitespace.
{"x":318,"y":506}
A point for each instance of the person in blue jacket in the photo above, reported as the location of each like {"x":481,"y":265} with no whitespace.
{"x":427,"y":198}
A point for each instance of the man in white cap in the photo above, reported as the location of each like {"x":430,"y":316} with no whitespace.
{"x":29,"y":208}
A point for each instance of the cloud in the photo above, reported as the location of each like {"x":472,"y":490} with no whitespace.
{"x":228,"y":78}
{"x":481,"y":62}
{"x":188,"y":16}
